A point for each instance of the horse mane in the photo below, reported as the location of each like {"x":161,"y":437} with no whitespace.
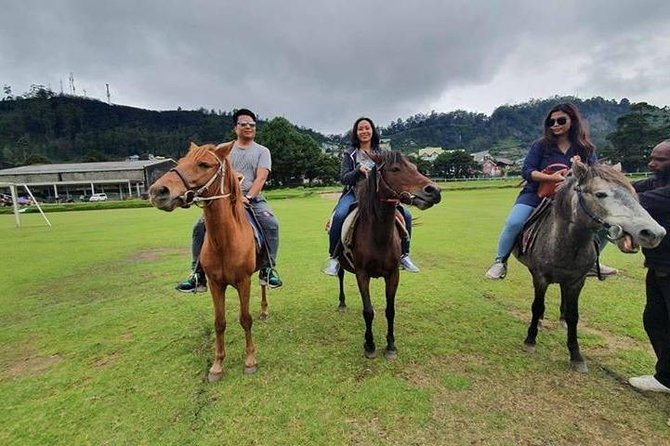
{"x":366,"y":191}
{"x":598,"y":170}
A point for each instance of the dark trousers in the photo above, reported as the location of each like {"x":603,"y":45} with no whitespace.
{"x":657,"y":321}
{"x":340,"y":214}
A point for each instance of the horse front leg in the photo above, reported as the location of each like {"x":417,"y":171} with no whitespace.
{"x":540,"y":285}
{"x":219,"y":300}
{"x":391,"y":288}
{"x":246,"y":321}
{"x":363,"y":281}
{"x":264,"y":304}
{"x":340,"y":276}
{"x":570,"y":295}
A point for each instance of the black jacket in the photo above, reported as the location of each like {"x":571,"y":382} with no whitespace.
{"x":654,"y":196}
{"x":349,"y":174}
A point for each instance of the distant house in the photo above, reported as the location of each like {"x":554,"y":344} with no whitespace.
{"x":429,"y":153}
{"x":385,"y":143}
{"x":492,"y":166}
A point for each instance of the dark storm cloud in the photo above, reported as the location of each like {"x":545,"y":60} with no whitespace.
{"x":324,"y":63}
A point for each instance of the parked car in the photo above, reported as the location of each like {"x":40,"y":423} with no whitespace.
{"x":98,"y":197}
{"x":5,"y":200}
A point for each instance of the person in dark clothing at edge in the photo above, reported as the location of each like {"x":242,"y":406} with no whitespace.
{"x":654,"y":194}
{"x":254,"y":162}
{"x":565,"y":138}
{"x":355,"y":167}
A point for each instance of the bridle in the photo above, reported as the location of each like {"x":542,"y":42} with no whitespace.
{"x":398,"y":196}
{"x":194,"y":194}
{"x":614,"y":232}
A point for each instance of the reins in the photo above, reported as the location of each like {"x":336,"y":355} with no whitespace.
{"x":196,"y":196}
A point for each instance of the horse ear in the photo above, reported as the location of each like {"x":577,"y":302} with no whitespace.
{"x":617,"y":167}
{"x":579,"y":169}
{"x":222,"y":150}
{"x":192,"y":146}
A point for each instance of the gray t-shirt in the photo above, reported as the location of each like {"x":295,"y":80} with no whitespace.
{"x":247,"y":160}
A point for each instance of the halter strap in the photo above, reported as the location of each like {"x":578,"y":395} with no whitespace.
{"x":614,"y":232}
{"x":195,"y":196}
{"x":397,"y":195}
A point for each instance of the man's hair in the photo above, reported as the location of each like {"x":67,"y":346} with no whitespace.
{"x":243,"y":112}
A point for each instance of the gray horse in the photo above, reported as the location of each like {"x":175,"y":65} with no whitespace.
{"x":591,"y":199}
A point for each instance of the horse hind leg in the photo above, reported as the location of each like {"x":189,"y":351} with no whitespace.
{"x":246,"y":321}
{"x":540,"y":286}
{"x":219,"y":301}
{"x":343,"y":305}
{"x":264,"y":304}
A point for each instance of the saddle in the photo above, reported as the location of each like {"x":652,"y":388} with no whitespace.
{"x":347,"y":236}
{"x":531,"y":227}
{"x":255,"y":227}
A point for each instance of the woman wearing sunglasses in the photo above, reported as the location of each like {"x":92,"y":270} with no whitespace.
{"x":565,"y":138}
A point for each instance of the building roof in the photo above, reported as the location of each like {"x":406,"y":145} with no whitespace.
{"x":107,"y":166}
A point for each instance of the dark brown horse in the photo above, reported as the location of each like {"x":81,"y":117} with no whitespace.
{"x":591,"y":199}
{"x":376,"y":242}
{"x":228,"y":255}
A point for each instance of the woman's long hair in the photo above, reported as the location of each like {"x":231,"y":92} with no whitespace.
{"x":375,"y":134}
{"x":578,"y":133}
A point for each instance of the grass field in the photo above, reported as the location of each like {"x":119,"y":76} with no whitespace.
{"x":97,"y":348}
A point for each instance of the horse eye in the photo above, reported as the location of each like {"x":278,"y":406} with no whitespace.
{"x":601,"y":194}
{"x":395,"y":169}
{"x":204,"y":165}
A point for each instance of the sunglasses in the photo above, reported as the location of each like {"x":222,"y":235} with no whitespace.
{"x":247,"y":124}
{"x":560,"y":121}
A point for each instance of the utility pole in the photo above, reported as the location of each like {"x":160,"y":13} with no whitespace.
{"x":109,"y":100}
{"x":72,"y":89}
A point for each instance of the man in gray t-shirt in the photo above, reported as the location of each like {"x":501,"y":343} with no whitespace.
{"x":254,"y":162}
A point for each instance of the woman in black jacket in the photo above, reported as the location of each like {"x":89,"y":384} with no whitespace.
{"x":356,"y":164}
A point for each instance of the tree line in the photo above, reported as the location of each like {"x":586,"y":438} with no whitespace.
{"x":40,"y":127}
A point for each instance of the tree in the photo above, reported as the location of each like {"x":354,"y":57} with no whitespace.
{"x":636,"y":134}
{"x":293,"y":153}
{"x":326,"y":169}
{"x":456,"y":164}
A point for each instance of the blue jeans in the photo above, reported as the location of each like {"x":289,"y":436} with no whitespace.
{"x":269,"y":226}
{"x":513,"y":226}
{"x":340,"y":214}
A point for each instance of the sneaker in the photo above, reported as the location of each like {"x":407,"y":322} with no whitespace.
{"x":196,"y":283}
{"x":332,"y":267}
{"x":269,"y":277}
{"x":497,"y":271}
{"x":407,"y":264}
{"x":648,"y":383}
{"x":604,"y":271}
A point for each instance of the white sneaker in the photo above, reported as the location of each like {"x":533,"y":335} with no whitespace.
{"x":407,"y":264}
{"x":332,"y":267}
{"x":604,"y":271}
{"x":648,"y":383}
{"x":497,"y":271}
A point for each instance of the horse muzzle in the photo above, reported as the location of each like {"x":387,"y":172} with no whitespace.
{"x":427,"y":197}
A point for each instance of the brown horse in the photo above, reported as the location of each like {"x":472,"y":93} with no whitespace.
{"x":376,"y":242}
{"x":228,"y":255}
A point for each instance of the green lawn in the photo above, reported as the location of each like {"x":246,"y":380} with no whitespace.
{"x":97,"y":348}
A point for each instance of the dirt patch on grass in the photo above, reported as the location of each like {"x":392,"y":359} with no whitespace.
{"x":529,"y":408}
{"x":32,"y":366}
{"x":332,"y":196}
{"x":155,"y":254}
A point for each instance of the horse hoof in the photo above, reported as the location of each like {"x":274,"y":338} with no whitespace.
{"x":263,"y":317}
{"x":528,"y":348}
{"x":342,"y":308}
{"x":214,"y":377}
{"x":564,"y":324}
{"x":370,"y":355}
{"x":579,"y":366}
{"x":390,"y":354}
{"x":250,"y":370}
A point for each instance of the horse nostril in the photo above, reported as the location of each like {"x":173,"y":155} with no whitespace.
{"x":160,"y":191}
{"x":431,"y":190}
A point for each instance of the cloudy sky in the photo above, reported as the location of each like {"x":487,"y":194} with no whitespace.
{"x":323,"y":63}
